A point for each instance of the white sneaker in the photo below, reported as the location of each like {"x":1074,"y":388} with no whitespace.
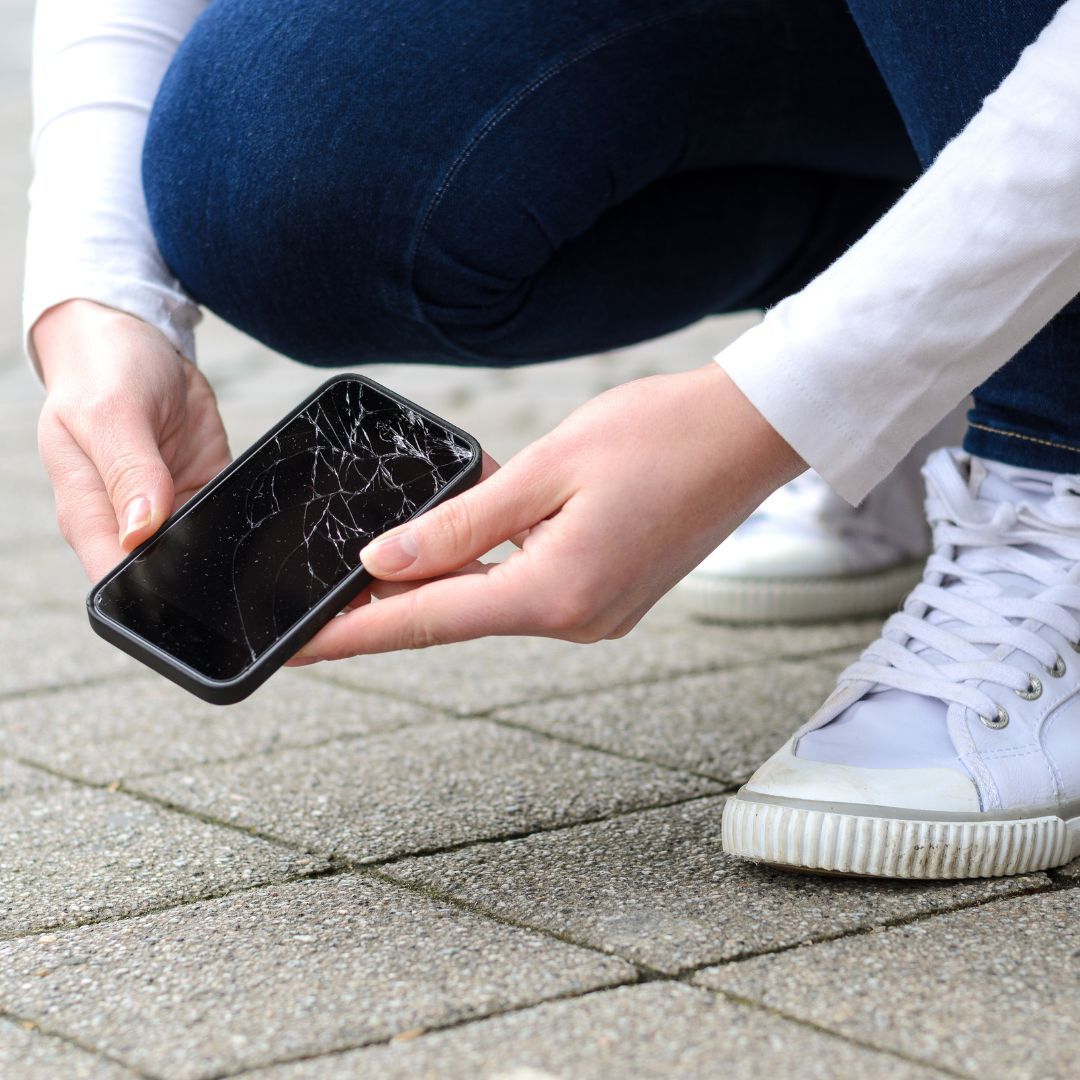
{"x":806,"y":554}
{"x":951,"y":748}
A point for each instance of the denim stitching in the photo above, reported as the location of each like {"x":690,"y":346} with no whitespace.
{"x":513,"y":103}
{"x":1027,"y":438}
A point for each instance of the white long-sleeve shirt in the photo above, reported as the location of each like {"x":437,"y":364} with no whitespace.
{"x":97,"y":66}
{"x":852,"y":370}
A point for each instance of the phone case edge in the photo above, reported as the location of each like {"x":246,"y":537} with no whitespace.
{"x":231,"y":691}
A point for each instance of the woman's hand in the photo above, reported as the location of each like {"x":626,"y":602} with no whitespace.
{"x":610,"y":510}
{"x":128,"y":432}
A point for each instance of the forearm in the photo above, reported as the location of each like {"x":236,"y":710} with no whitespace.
{"x":97,"y":65}
{"x":975,"y":258}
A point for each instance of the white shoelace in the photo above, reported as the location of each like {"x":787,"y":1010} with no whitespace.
{"x":985,"y":553}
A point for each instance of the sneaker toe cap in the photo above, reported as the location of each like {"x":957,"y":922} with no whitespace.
{"x":829,"y":785}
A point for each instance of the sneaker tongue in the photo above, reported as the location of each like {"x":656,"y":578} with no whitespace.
{"x":993,"y":482}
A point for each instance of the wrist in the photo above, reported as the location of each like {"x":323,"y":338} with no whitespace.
{"x":769,"y":460}
{"x":59,"y":335}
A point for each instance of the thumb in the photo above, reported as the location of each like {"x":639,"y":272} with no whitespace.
{"x":463,"y":528}
{"x":138,"y":482}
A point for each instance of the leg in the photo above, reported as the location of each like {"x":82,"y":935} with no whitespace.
{"x":949,"y":749}
{"x":441,"y":182}
{"x":940,"y":58}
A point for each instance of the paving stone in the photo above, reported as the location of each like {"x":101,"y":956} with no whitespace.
{"x":30,"y":1055}
{"x":282,"y":972}
{"x":147,"y":725}
{"x":16,"y":779}
{"x":419,"y":789}
{"x":45,"y":574}
{"x":658,"y":1030}
{"x":478,"y":676}
{"x":657,"y":888}
{"x":992,"y":991}
{"x":77,"y":855}
{"x":26,"y":514}
{"x":44,"y":649}
{"x":724,"y":724}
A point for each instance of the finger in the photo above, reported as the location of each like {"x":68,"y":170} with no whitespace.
{"x":84,"y":512}
{"x":124,"y":448}
{"x":383,"y":590}
{"x":455,"y":608}
{"x":507,"y":503}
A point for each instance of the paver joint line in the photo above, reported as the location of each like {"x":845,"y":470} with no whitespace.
{"x":328,"y":677}
{"x":39,"y":1029}
{"x":157,"y":909}
{"x":573,"y":995}
{"x":60,"y":687}
{"x":581,"y":744}
{"x":864,"y":1043}
{"x":543,"y":830}
{"x":1052,"y":886}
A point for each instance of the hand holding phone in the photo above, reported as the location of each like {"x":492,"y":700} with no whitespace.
{"x":246,"y":571}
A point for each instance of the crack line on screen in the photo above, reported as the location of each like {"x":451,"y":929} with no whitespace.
{"x":364,"y":464}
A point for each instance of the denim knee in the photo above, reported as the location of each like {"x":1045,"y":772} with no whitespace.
{"x":279,"y":191}
{"x":353,"y":182}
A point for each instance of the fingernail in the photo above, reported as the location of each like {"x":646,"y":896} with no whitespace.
{"x":391,"y":553}
{"x":138,"y":514}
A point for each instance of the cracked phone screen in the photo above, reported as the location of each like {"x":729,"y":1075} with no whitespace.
{"x":224,"y":582}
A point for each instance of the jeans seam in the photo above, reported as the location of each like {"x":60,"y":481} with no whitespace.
{"x":507,"y":108}
{"x":1026,"y":438}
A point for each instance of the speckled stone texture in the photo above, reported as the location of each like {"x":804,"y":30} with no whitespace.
{"x":633,"y":1032}
{"x":28,"y":1054}
{"x":478,"y":676}
{"x":723,"y":725}
{"x":43,"y":649}
{"x":16,"y":779}
{"x":73,"y":855}
{"x":148,"y":725}
{"x":424,"y":788}
{"x":188,"y":892}
{"x":283,"y":972}
{"x":992,"y":991}
{"x":658,"y":888}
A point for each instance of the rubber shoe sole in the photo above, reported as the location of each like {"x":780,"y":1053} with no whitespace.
{"x":752,"y":600}
{"x":828,"y":841}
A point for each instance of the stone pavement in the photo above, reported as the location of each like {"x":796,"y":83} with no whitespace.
{"x":497,"y":860}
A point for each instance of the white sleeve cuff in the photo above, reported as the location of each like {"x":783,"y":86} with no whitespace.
{"x":174,"y":315}
{"x":820,"y":430}
{"x":974,"y":259}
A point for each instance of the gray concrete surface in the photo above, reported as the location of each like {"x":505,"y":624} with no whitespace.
{"x":633,"y":1032}
{"x":657,"y":887}
{"x":989,"y":992}
{"x":494,"y":860}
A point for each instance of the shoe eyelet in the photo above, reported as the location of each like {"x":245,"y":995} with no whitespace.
{"x":1033,"y":691}
{"x":1075,"y":646}
{"x":1058,"y":669}
{"x":996,"y":722}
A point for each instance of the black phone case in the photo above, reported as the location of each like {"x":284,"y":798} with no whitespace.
{"x":230,"y":691}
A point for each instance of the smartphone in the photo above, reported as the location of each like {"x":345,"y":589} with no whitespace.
{"x":248,"y":569}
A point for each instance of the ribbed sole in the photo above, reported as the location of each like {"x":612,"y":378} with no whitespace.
{"x":828,"y":842}
{"x":745,"y":600}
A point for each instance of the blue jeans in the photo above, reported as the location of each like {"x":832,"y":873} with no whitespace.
{"x":449,"y":181}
